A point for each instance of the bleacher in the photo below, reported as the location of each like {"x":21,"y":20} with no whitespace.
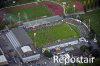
{"x":42,"y":21}
{"x":13,"y":39}
{"x":22,"y":44}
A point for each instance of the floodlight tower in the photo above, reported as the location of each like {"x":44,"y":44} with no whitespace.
{"x":95,"y":40}
{"x":26,"y":17}
{"x":4,"y":18}
{"x":89,"y":25}
{"x":10,"y":20}
{"x":35,"y":39}
{"x":64,"y":3}
{"x":74,"y":8}
{"x":19,"y":17}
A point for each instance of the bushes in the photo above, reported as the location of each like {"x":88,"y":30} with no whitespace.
{"x":2,"y":25}
{"x":83,"y":48}
{"x":48,"y":54}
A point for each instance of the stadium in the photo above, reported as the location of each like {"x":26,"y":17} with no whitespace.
{"x":44,"y":19}
{"x":53,"y":25}
{"x":52,"y":31}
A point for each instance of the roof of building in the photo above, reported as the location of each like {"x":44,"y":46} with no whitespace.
{"x":21,"y":42}
{"x":22,"y":36}
{"x":2,"y":58}
{"x":42,"y":21}
{"x":26,"y":49}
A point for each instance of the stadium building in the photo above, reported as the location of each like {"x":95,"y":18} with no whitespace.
{"x":62,"y":45}
{"x":22,"y":44}
{"x":44,"y":21}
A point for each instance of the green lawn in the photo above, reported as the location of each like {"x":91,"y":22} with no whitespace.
{"x":30,"y":13}
{"x":94,"y":20}
{"x":50,"y":34}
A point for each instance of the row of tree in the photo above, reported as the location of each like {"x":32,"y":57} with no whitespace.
{"x":91,"y":4}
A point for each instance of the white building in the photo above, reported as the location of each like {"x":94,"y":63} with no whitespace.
{"x":3,"y":60}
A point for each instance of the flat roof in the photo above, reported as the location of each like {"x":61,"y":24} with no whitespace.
{"x":2,"y":58}
{"x":26,"y":49}
{"x":22,"y":36}
{"x":21,"y":41}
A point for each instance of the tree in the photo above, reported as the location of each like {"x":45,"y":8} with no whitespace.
{"x":95,"y":52}
{"x":48,"y":54}
{"x":3,"y":24}
{"x":98,"y":42}
{"x":90,"y":48}
{"x":96,"y":62}
{"x":85,"y":8}
{"x":83,"y":48}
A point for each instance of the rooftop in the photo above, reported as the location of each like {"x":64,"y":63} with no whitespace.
{"x":42,"y":21}
{"x":21,"y":42}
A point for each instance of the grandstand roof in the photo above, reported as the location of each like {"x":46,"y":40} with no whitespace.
{"x":22,"y":43}
{"x":42,"y":21}
{"x":22,"y":36}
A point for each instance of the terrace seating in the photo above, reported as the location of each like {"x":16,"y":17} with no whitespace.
{"x":13,"y":39}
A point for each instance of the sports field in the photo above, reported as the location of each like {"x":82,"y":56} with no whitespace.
{"x":29,"y":13}
{"x":50,"y":34}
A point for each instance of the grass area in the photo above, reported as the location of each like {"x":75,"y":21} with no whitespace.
{"x":30,"y":13}
{"x":94,"y":20}
{"x":50,"y":34}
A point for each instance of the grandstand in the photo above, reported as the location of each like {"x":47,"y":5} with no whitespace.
{"x":22,"y":44}
{"x":62,"y":45}
{"x":13,"y":39}
{"x":42,"y":21}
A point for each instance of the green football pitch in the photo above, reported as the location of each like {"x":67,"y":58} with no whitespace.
{"x":29,"y":13}
{"x":53,"y":33}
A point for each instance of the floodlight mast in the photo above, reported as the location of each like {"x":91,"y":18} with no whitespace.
{"x":64,"y":3}
{"x":10,"y":21}
{"x":89,"y":25}
{"x":74,"y":8}
{"x":35,"y":39}
{"x":19,"y":17}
